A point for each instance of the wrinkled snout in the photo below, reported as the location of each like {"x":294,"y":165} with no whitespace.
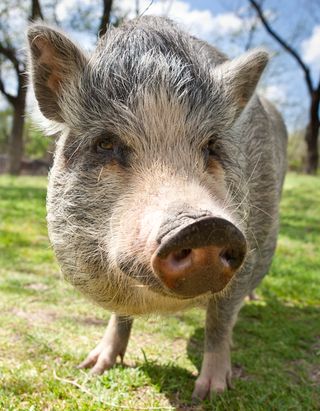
{"x":201,"y":256}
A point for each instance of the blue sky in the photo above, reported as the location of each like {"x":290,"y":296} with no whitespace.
{"x":225,"y":24}
{"x":297,"y":21}
{"x":219,"y":22}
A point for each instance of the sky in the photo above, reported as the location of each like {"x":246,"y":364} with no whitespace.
{"x":225,"y":24}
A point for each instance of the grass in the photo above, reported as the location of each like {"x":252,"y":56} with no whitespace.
{"x":47,"y":328}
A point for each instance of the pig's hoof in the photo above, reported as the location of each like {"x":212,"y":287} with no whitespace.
{"x":210,"y":386}
{"x":252,"y":297}
{"x":100,"y":359}
{"x":113,"y":343}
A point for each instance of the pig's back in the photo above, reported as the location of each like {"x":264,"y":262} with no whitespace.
{"x":263,"y":140}
{"x":278,"y":135}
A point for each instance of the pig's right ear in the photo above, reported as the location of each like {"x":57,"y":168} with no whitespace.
{"x":54,"y":64}
{"x":238,"y":79}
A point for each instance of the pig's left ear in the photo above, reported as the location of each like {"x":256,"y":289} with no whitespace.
{"x":238,"y":78}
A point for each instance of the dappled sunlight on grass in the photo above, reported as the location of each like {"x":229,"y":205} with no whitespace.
{"x":47,"y":328}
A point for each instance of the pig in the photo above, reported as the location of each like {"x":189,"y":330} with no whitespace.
{"x":167,"y":177}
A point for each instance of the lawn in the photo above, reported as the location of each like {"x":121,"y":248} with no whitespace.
{"x":47,"y":328}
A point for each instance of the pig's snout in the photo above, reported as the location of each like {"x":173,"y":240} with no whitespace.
{"x":201,"y":256}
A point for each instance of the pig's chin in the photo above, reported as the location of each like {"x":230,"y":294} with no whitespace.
{"x":144,"y":276}
{"x":149,"y":282}
{"x":129,"y":292}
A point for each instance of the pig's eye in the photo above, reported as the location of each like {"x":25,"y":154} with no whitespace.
{"x":111,"y":149}
{"x":104,"y":145}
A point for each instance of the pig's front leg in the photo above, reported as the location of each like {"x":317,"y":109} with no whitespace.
{"x":215,"y":374}
{"x":114,"y":343}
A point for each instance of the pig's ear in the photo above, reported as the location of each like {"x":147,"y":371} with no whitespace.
{"x":239,"y":78}
{"x":55,"y":62}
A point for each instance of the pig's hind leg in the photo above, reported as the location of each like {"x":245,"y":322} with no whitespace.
{"x":114,"y":343}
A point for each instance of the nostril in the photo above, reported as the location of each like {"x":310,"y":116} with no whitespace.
{"x":228,"y":257}
{"x":181,"y":254}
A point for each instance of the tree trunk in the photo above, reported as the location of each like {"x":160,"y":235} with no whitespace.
{"x":18,"y":102}
{"x":16,"y":137}
{"x":311,"y":136}
{"x":105,"y":19}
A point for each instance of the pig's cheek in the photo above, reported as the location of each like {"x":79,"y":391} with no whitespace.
{"x":136,"y":236}
{"x":148,"y":228}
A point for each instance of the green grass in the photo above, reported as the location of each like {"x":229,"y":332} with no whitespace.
{"x":47,"y":328}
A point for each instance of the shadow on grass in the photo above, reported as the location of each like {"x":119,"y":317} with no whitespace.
{"x":175,"y":382}
{"x":275,"y":345}
{"x":270,"y":339}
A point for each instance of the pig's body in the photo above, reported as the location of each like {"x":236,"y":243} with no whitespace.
{"x":162,"y":139}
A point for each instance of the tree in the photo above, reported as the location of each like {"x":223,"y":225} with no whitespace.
{"x":312,"y":129}
{"x":14,"y":59}
{"x":105,"y":19}
{"x":10,"y":52}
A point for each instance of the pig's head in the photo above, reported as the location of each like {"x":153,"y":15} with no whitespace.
{"x":146,"y":203}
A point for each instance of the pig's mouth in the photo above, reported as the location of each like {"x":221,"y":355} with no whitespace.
{"x":200,"y":257}
{"x":143,"y":274}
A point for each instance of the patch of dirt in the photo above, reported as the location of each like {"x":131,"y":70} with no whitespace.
{"x":178,"y":346}
{"x":315,"y":348}
{"x":314,"y":370}
{"x":239,"y":373}
{"x":296,"y":370}
{"x":142,"y":339}
{"x":33,"y":317}
{"x":195,"y":407}
{"x":90,"y":321}
{"x":37,"y":287}
{"x":180,"y":405}
{"x":314,"y":375}
{"x":146,"y":394}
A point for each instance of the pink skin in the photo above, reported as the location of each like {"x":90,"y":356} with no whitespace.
{"x":113,"y":344}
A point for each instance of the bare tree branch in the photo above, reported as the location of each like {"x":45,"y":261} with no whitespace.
{"x":251,"y":33}
{"x":137,"y":8}
{"x":10,"y":53}
{"x":105,"y":19}
{"x":18,"y":102}
{"x":12,"y":99}
{"x":284,"y":44}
